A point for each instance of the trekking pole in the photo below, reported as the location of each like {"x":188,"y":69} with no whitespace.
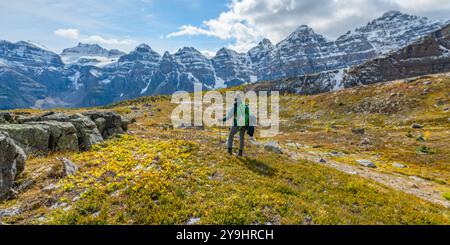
{"x":220,"y":135}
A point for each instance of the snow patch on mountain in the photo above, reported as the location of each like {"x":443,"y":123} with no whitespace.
{"x":75,"y":80}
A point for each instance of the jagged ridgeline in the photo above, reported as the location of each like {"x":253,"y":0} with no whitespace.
{"x":89,"y":75}
{"x":428,"y":55}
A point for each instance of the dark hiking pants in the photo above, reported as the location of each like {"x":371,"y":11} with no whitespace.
{"x":233,"y":131}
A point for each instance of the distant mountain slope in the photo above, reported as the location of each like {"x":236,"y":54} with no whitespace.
{"x":305,"y":52}
{"x":428,"y":55}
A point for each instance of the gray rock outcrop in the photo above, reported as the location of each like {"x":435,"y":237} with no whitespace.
{"x":63,"y":135}
{"x":33,"y":139}
{"x":50,"y":132}
{"x":12,"y":163}
{"x":108,"y":123}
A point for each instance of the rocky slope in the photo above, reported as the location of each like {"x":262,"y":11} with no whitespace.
{"x":197,"y":64}
{"x":94,"y":76}
{"x":232,"y":67}
{"x":29,"y":74}
{"x":428,"y":55}
{"x":305,"y":52}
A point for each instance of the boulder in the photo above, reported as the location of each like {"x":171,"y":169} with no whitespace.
{"x":63,"y":135}
{"x":5,"y":117}
{"x":113,"y":124}
{"x":100,"y":123}
{"x":68,"y":166}
{"x":12,"y":163}
{"x":87,"y":132}
{"x":27,"y":118}
{"x":416,"y":126}
{"x":32,"y":139}
{"x":125,"y":123}
{"x":273,"y":147}
{"x":365,"y":141}
{"x":366,"y":163}
{"x":60,"y":117}
{"x":10,"y":212}
{"x":399,"y":165}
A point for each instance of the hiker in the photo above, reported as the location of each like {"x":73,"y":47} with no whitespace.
{"x":242,"y":122}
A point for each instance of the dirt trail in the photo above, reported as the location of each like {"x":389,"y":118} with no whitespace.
{"x":416,"y":186}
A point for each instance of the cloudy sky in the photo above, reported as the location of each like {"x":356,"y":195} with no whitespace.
{"x":207,"y":25}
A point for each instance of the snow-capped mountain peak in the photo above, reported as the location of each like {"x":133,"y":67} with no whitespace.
{"x":261,"y":50}
{"x":24,"y":55}
{"x":142,"y":53}
{"x":303,"y":35}
{"x":90,"y":54}
{"x":197,"y":64}
{"x":395,"y":29}
{"x":189,"y":50}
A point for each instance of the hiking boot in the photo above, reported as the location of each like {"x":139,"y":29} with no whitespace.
{"x":230,"y":151}
{"x":240,"y":153}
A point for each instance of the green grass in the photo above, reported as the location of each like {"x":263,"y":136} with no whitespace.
{"x":259,"y":188}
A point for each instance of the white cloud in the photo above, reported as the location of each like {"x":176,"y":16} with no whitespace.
{"x":67,"y":33}
{"x":75,"y":34}
{"x":248,"y":21}
{"x":189,"y":30}
{"x":110,"y":41}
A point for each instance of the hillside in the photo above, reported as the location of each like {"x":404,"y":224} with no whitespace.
{"x":157,"y":174}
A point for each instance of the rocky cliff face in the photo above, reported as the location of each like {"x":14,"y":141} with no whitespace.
{"x":306,"y":84}
{"x":170,"y":77}
{"x":305,"y":52}
{"x":28,"y":74}
{"x":233,"y":68}
{"x":428,"y":55}
{"x":197,"y":64}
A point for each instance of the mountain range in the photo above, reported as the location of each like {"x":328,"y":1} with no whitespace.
{"x":89,"y":75}
{"x":426,"y":56}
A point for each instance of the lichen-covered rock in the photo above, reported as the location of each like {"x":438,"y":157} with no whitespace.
{"x":32,"y":139}
{"x":86,"y":130}
{"x":12,"y":162}
{"x":125,"y":123}
{"x":63,"y":135}
{"x":113,"y":124}
{"x":273,"y":147}
{"x":68,"y":166}
{"x":366,"y":163}
{"x":5,"y":117}
{"x":88,"y":134}
{"x":100,"y":123}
